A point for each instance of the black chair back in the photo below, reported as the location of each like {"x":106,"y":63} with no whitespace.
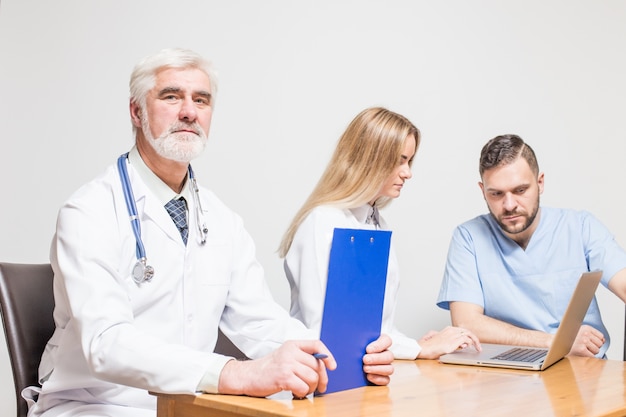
{"x":26,"y":306}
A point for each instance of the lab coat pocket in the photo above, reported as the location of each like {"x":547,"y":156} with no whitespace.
{"x":213,"y":263}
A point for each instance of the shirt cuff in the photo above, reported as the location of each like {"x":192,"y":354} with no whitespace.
{"x":211,"y":378}
{"x":409,"y":349}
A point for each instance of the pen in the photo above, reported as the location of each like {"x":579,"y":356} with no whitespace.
{"x":320,"y":355}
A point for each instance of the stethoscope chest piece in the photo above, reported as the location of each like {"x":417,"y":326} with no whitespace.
{"x":142,"y":272}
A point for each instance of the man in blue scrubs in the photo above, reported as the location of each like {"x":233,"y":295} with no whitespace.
{"x":510,"y":273}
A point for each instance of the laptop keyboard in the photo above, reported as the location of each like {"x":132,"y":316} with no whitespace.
{"x":522,"y":355}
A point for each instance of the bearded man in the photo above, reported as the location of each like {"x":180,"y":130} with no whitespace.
{"x":510,"y":274}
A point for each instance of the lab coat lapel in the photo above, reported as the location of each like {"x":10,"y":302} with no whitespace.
{"x":151,"y":210}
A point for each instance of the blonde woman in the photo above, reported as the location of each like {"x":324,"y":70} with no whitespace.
{"x":368,"y":169}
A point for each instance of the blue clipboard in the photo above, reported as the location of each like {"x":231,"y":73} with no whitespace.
{"x":353,"y":307}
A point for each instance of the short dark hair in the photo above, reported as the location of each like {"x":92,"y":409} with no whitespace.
{"x":505,"y":149}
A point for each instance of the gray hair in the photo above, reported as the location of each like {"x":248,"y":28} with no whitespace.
{"x":143,"y":77}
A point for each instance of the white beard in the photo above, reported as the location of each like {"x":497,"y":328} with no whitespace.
{"x":177,"y":146}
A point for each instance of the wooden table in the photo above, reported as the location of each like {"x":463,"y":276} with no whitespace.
{"x":572,"y":387}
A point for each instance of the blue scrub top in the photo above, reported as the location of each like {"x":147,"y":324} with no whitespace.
{"x":530,"y":288}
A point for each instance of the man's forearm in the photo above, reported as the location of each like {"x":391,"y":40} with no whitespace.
{"x":490,"y":330}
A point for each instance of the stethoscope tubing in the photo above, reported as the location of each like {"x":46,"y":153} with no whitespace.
{"x":130,"y":205}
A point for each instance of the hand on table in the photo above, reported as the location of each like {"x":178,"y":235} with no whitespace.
{"x":588,"y":341}
{"x":291,"y":367}
{"x":435,"y":344}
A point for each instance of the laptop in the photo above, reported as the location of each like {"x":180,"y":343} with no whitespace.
{"x":530,"y":358}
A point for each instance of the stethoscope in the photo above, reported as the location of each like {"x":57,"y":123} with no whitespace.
{"x":142,"y":272}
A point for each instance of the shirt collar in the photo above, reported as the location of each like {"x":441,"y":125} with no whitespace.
{"x":161,"y":190}
{"x":361,"y":212}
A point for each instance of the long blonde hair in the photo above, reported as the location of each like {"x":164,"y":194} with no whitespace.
{"x":366,"y":154}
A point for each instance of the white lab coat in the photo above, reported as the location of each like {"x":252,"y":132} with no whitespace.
{"x":115,"y":339}
{"x":306,"y":267}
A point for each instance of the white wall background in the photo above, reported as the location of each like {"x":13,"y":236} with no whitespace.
{"x":292,"y":75}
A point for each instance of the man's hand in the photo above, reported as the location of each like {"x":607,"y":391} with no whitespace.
{"x":588,"y":342}
{"x":377,"y":361}
{"x":291,"y":367}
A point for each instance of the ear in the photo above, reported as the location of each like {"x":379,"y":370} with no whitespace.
{"x":135,"y":114}
{"x":540,"y":183}
{"x":482,"y":189}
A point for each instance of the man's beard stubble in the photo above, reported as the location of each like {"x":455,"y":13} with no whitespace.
{"x":529,"y":220}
